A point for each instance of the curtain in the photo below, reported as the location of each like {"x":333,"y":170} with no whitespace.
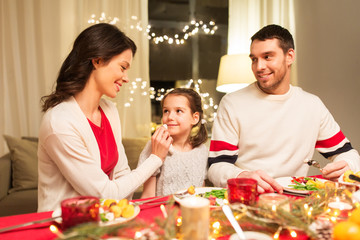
{"x":35,"y":38}
{"x":246,"y":17}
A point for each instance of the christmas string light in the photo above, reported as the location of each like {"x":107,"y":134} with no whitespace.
{"x":189,"y":30}
{"x":179,"y":38}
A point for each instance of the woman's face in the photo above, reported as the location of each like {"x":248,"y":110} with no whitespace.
{"x":110,"y":76}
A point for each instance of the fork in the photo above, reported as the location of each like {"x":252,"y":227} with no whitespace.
{"x":181,"y":194}
{"x":312,"y":162}
{"x":137,"y":203}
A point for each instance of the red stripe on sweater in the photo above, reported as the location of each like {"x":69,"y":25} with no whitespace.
{"x":330,"y":142}
{"x":221,"y":145}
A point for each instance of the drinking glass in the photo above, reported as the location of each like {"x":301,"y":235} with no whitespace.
{"x":242,"y":190}
{"x":79,"y":210}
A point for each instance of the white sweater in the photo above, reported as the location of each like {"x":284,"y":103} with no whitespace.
{"x":70,"y":163}
{"x":274,"y":133}
{"x":180,"y":169}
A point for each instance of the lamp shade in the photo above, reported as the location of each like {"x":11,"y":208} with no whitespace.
{"x":234,"y":73}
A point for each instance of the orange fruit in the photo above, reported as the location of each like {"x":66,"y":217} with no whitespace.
{"x":355,"y":217}
{"x":346,"y":231}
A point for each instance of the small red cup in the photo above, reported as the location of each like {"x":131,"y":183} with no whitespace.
{"x":242,"y":190}
{"x":79,"y":210}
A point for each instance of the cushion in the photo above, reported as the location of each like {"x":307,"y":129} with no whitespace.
{"x":24,"y":164}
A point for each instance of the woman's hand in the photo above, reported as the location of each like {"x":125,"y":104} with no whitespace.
{"x":160,"y":142}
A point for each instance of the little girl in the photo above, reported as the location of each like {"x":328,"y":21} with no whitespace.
{"x":186,"y":162}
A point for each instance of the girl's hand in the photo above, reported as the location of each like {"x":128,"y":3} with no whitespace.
{"x":160,"y":142}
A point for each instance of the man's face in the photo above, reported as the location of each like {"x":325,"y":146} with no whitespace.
{"x":271,"y":66}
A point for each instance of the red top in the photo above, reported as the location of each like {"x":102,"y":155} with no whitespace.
{"x":106,"y":142}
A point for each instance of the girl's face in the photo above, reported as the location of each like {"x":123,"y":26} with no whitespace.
{"x":178,"y":116}
{"x":110,"y":76}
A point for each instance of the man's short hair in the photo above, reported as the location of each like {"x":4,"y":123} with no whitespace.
{"x":275,"y":31}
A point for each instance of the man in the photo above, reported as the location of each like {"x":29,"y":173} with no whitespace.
{"x":269,"y":128}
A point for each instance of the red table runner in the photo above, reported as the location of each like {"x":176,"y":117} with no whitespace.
{"x":42,"y":232}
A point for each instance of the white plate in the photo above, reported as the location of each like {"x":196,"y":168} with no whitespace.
{"x":199,"y":190}
{"x":57,"y":212}
{"x":286,"y":181}
{"x":341,"y":180}
{"x":252,"y":235}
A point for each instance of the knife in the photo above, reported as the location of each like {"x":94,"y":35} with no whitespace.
{"x":28,"y":224}
{"x":288,"y":192}
{"x":354,"y":177}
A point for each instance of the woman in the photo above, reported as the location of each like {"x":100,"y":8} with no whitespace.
{"x":80,"y":150}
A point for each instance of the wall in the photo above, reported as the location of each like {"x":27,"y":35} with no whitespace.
{"x":328,"y":59}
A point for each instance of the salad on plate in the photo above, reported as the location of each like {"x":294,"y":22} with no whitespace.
{"x":215,"y":195}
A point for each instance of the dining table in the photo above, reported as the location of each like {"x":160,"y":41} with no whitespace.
{"x":149,"y":211}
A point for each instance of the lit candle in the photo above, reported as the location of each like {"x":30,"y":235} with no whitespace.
{"x":55,"y":230}
{"x":163,"y":210}
{"x":339,"y":209}
{"x":195,"y":212}
{"x":274,"y":200}
{"x":340,"y":205}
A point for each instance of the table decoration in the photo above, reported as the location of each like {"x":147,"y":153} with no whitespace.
{"x":305,"y":218}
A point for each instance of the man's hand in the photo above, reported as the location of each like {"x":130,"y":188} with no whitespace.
{"x":265,"y":182}
{"x":334,"y":170}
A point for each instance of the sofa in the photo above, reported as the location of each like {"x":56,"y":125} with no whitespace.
{"x":18,"y":173}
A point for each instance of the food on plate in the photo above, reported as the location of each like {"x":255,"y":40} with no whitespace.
{"x":123,"y":203}
{"x":191,"y":190}
{"x":216,"y":196}
{"x":128,"y":211}
{"x":306,"y":183}
{"x":213,"y":195}
{"x":218,"y":193}
{"x":346,"y":176}
{"x":116,"y":210}
{"x":110,"y":209}
{"x":108,"y":202}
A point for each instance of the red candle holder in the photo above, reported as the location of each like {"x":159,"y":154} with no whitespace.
{"x":242,"y":190}
{"x":79,"y":210}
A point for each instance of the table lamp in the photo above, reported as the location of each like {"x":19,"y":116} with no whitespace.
{"x":234,"y":73}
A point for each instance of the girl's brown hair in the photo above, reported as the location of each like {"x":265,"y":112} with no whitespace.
{"x":195,"y":103}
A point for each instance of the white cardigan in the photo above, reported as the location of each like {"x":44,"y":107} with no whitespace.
{"x":69,"y":158}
